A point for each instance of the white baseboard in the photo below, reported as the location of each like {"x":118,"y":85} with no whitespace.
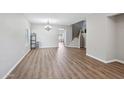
{"x":116,"y":60}
{"x":104,"y":61}
{"x":73,"y":46}
{"x":120,"y":61}
{"x":97,"y":58}
{"x":48,"y":47}
{"x":110,"y":61}
{"x":48,"y":44}
{"x":15,"y":65}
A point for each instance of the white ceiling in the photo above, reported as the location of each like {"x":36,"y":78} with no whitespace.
{"x":56,"y":18}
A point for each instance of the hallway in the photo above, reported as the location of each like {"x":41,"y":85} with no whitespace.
{"x":64,"y":63}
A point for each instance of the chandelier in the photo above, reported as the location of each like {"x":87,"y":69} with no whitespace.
{"x":48,"y":27}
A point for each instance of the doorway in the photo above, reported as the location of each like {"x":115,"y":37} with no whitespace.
{"x":61,"y":38}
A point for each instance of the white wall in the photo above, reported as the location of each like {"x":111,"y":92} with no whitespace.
{"x":120,"y":37}
{"x":12,"y":41}
{"x":100,"y":37}
{"x":68,"y":35}
{"x":105,"y":37}
{"x":110,"y":38}
{"x":96,"y":36}
{"x":46,"y":38}
{"x":49,"y":38}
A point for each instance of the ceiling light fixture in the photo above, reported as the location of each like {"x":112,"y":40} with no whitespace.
{"x":48,"y":27}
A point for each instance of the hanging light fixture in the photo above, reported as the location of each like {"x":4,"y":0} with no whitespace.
{"x":48,"y":27}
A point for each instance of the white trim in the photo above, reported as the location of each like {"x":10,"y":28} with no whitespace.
{"x":110,"y":61}
{"x":116,"y":60}
{"x":97,"y":58}
{"x":49,"y":47}
{"x":73,"y":46}
{"x":16,"y":65}
{"x":120,"y":61}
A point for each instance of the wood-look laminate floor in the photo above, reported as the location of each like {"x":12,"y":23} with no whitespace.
{"x":64,"y":63}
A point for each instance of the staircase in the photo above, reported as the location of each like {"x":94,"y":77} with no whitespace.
{"x":76,"y":41}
